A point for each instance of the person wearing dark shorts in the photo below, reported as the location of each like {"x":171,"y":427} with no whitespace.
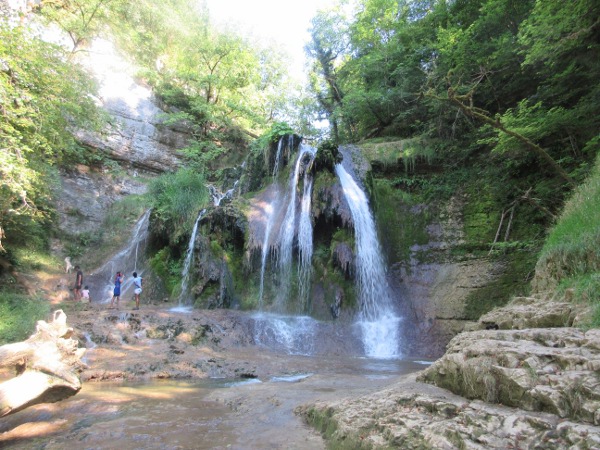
{"x":78,"y":283}
{"x":117,"y":290}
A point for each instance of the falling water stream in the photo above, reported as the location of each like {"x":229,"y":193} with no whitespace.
{"x":127,"y":260}
{"x":184,"y":303}
{"x":290,"y":224}
{"x":184,"y":298}
{"x":377,"y":320}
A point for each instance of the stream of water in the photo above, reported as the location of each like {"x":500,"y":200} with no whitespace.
{"x":379,"y":323}
{"x":128,"y":260}
{"x":203,"y":414}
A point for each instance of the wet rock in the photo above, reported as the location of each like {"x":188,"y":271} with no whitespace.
{"x":336,"y":306}
{"x":343,"y":258}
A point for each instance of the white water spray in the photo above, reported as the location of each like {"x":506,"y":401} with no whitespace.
{"x":377,"y":320}
{"x":189,"y":257}
{"x":265,"y":251}
{"x":101,"y":282}
{"x":288,"y":227}
{"x":305,"y":243}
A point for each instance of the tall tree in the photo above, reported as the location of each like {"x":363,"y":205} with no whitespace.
{"x":328,"y":47}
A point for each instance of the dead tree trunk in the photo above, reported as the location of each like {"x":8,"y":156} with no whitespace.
{"x":47,"y":366}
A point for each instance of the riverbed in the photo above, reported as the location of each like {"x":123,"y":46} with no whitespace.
{"x":213,"y":413}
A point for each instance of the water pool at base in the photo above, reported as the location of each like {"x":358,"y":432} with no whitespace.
{"x":199,"y":414}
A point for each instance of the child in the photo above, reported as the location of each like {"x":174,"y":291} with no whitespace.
{"x":85,"y":295}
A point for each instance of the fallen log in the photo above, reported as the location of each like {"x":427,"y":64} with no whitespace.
{"x":47,"y":366}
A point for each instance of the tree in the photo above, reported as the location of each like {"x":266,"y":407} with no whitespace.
{"x":42,"y":98}
{"x":328,"y":47}
{"x":81,"y":20}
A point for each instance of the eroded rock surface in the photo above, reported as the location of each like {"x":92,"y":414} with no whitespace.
{"x":550,"y":370}
{"x":413,"y":415}
{"x":530,"y":312}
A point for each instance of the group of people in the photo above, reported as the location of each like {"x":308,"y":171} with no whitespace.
{"x":137,"y":283}
{"x":83,"y":295}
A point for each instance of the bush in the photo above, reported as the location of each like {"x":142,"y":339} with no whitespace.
{"x":177,"y":198}
{"x":570,"y":256}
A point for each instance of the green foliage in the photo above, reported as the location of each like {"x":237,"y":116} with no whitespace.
{"x":389,"y":73}
{"x":202,"y":154}
{"x":19,"y":313}
{"x":42,"y":98}
{"x":277,"y":130}
{"x":571,"y":252}
{"x":81,"y":20}
{"x":216,"y":78}
{"x":176,"y":201}
{"x":168,"y":269}
{"x":328,"y":155}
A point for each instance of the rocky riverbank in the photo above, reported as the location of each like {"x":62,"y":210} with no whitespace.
{"x":495,"y":388}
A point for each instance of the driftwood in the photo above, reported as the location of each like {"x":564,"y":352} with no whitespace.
{"x":47,"y":366}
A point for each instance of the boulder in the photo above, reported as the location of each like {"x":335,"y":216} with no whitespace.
{"x":529,"y":312}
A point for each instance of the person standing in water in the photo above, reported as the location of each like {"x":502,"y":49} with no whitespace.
{"x":137,"y":283}
{"x":117,"y":290}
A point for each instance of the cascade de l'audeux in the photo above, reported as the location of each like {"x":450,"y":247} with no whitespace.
{"x":283,"y":234}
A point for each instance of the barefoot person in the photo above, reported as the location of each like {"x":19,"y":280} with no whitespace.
{"x":117,"y":290}
{"x":137,"y":283}
{"x":78,"y":283}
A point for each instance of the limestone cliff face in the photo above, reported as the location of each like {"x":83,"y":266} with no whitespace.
{"x":136,"y":138}
{"x":138,"y":135}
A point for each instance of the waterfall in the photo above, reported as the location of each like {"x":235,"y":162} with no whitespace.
{"x":189,"y":257}
{"x":218,"y":196}
{"x":306,"y":155}
{"x":293,"y":334}
{"x":101,"y":282}
{"x":265,"y":251}
{"x":377,"y":320}
{"x":305,"y":243}
{"x":277,"y":162}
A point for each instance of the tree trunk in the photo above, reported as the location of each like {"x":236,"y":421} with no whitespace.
{"x":47,"y":366}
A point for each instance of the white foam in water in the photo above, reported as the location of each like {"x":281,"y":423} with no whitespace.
{"x":182,"y":309}
{"x":379,"y":325}
{"x":291,"y":378}
{"x":294,"y":334}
